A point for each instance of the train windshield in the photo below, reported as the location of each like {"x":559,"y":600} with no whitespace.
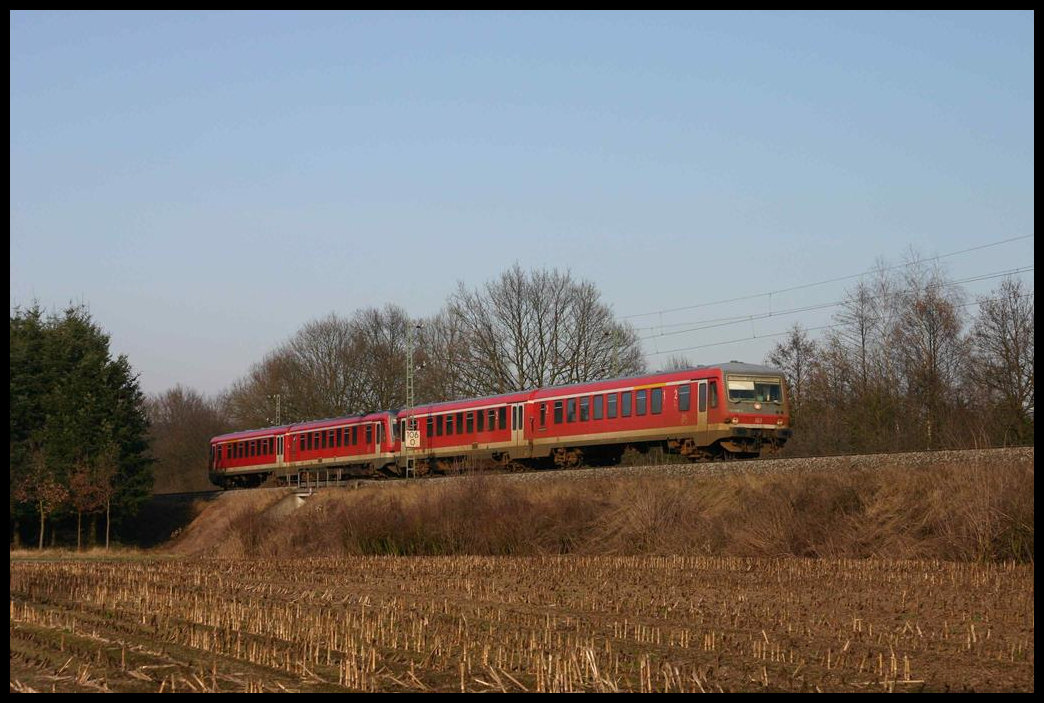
{"x":753,"y":389}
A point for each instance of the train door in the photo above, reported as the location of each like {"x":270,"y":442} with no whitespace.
{"x":517,"y":424}
{"x":701,"y":406}
{"x":279,"y":450}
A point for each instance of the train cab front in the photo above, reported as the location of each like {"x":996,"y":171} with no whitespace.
{"x":757,"y":411}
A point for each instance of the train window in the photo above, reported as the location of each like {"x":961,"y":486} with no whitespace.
{"x":480,"y":420}
{"x":369,"y":434}
{"x":656,"y":401}
{"x":438,"y":426}
{"x":768,"y":391}
{"x":585,"y":409}
{"x":639,"y":402}
{"x":610,"y":406}
{"x":713,"y":390}
{"x":316,"y":440}
{"x":571,"y":410}
{"x":558,"y":412}
{"x":322,"y":440}
{"x":683,"y":397}
{"x":597,"y":409}
{"x":702,"y":400}
{"x":355,"y":435}
{"x":625,"y":404}
{"x":449,"y":424}
{"x":429,"y":426}
{"x":543,"y":414}
{"x":492,"y":419}
{"x":470,"y":422}
{"x":502,"y":417}
{"x":380,"y":432}
{"x":460,"y":423}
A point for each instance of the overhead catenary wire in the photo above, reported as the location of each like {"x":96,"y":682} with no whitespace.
{"x":655,"y":333}
{"x":788,"y":331}
{"x":778,"y":291}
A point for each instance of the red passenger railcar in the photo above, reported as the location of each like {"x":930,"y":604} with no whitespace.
{"x":331,"y":449}
{"x":708,"y":412}
{"x":475,"y":433}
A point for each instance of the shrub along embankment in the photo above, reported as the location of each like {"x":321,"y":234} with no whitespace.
{"x":953,"y":512}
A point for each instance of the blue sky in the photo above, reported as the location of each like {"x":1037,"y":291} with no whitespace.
{"x":208,"y":182}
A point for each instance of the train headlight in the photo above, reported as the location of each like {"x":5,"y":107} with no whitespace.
{"x":779,"y":422}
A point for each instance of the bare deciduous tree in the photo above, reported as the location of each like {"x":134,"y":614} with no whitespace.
{"x":930,"y":347}
{"x":1002,"y":343}
{"x":181,"y":422}
{"x":794,"y":356}
{"x":539,"y":329}
{"x":331,"y":367}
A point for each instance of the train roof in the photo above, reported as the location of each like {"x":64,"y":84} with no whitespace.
{"x":498,"y":399}
{"x":303,"y":426}
{"x":743,"y":367}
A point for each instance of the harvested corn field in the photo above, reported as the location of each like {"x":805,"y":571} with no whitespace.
{"x":534,"y":623}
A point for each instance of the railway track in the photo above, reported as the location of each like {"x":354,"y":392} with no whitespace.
{"x":912,"y":460}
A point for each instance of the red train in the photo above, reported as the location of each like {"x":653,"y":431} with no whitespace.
{"x":731,"y":410}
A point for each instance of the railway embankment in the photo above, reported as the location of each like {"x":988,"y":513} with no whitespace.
{"x":954,"y":506}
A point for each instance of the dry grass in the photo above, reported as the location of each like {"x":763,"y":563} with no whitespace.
{"x":979,"y":512}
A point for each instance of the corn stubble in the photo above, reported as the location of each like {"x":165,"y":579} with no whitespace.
{"x":520,"y":624}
